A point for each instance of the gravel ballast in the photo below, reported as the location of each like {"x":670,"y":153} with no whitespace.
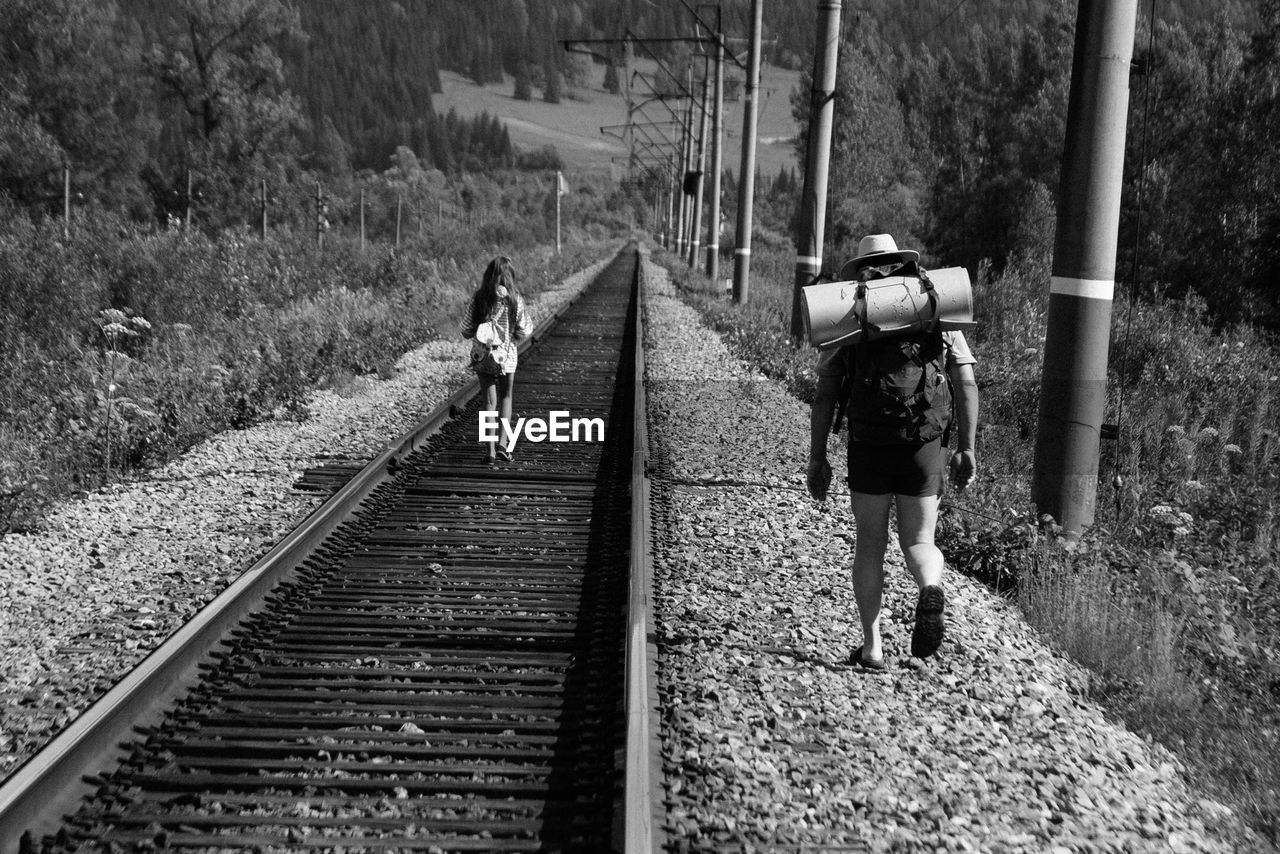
{"x":771,"y":742}
{"x":110,"y":576}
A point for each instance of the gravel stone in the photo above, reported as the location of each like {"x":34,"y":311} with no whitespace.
{"x":110,"y":576}
{"x":772,"y":742}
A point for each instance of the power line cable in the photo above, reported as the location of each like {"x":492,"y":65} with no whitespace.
{"x":943,"y":20}
{"x":1134,"y":268}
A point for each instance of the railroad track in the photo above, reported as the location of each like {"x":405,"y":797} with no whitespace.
{"x":445,"y":657}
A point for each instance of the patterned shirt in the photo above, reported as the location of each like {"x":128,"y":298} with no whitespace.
{"x":502,"y":318}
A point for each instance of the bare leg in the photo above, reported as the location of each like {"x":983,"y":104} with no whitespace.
{"x":506,"y":382}
{"x":871,"y":513}
{"x":917,"y":520}
{"x":489,"y":387}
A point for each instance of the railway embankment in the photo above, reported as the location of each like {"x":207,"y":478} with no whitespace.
{"x":772,"y":742}
{"x":110,"y":576}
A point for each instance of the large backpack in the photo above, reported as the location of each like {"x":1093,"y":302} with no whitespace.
{"x":896,"y":390}
{"x":898,"y":393}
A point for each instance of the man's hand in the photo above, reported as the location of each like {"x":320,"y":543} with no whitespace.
{"x":818,"y":477}
{"x":963,"y":467}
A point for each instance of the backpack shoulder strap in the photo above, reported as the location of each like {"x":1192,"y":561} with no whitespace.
{"x":846,"y":388}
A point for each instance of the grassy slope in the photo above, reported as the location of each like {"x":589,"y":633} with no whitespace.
{"x":573,"y":126}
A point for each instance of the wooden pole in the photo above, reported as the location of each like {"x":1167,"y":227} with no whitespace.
{"x":319,"y":217}
{"x":66,"y":201}
{"x":556,"y":190}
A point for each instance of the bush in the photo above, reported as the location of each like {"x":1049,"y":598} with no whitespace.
{"x":124,"y":347}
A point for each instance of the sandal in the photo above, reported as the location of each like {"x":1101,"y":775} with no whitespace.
{"x":856,"y":659}
{"x":930,"y":626}
{"x":505,"y":455}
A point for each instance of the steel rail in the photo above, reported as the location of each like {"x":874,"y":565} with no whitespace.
{"x":35,"y":797}
{"x":640,"y":823}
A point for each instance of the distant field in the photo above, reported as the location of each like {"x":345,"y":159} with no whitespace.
{"x":573,"y":126}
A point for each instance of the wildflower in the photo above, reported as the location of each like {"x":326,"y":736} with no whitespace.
{"x":1193,"y":485}
{"x":1208,"y":434}
{"x":1161,"y":510}
{"x":1030,"y":351}
{"x":1181,"y":531}
{"x":1175,"y":429}
{"x":1232,"y":449}
{"x":140,"y":322}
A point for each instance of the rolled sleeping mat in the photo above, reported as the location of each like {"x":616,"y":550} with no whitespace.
{"x":835,"y":313}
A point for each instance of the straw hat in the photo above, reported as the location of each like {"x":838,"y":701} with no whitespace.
{"x":874,"y":250}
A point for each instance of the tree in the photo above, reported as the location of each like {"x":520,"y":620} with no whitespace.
{"x":551,"y":86}
{"x":611,"y":79}
{"x":1225,"y":213}
{"x":872,"y":187}
{"x":234,"y":117}
{"x":524,"y":86}
{"x":68,"y":95}
{"x":987,"y":130}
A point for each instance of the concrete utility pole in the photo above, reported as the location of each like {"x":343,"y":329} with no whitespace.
{"x":671,"y":218}
{"x":686,"y":164}
{"x":1074,"y":379}
{"x":813,"y":199}
{"x":699,"y":182}
{"x":747,"y":174}
{"x":629,"y":102}
{"x":717,"y":141}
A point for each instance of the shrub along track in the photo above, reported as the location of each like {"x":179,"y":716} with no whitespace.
{"x":441,"y":673}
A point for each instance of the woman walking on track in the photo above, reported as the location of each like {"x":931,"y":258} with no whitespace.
{"x":496,"y":319}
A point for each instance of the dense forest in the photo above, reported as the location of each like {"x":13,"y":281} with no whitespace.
{"x":949,"y":113}
{"x":958,"y":151}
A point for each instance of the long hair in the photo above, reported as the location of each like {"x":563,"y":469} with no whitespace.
{"x":501,"y":272}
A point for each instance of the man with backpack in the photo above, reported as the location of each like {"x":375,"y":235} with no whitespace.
{"x":898,"y":393}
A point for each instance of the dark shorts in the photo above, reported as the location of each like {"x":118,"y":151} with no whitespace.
{"x":914,"y":470}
